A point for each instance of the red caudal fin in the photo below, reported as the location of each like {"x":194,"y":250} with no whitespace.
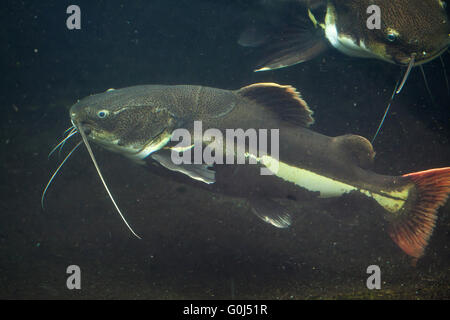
{"x":412,"y":228}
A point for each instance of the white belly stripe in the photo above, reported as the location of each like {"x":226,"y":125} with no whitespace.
{"x":306,"y":179}
{"x":329,"y":187}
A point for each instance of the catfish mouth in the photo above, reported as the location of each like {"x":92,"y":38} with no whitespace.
{"x":98,"y":136}
{"x":136,"y":150}
{"x":420,"y":59}
{"x":431,"y":57}
{"x":113,"y":142}
{"x":83,"y":124}
{"x":87,"y":129}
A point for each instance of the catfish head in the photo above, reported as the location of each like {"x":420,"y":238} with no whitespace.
{"x":411,"y":30}
{"x":125,"y":121}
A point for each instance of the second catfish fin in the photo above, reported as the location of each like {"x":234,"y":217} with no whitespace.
{"x":200,"y":172}
{"x":293,"y":45}
{"x":271,"y":212}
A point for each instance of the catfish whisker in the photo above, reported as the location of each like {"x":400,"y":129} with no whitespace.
{"x":74,"y":130}
{"x":408,"y":71}
{"x":88,"y":147}
{"x":397,"y":90}
{"x":386,"y":111}
{"x":445,"y":75}
{"x":57,"y":170}
{"x":426,"y":85}
{"x":68,"y":129}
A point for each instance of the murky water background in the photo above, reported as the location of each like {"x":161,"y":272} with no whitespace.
{"x":196,"y":245}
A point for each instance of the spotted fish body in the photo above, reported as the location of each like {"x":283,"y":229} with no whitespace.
{"x":139,"y":122}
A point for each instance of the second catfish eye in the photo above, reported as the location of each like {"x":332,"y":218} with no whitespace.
{"x":102,"y":114}
{"x":391,"y":35}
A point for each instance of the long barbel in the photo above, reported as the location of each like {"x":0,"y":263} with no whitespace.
{"x":88,"y":147}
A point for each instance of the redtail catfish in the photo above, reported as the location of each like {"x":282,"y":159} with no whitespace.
{"x":141,"y":122}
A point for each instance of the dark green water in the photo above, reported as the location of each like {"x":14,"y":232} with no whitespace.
{"x":196,"y":245}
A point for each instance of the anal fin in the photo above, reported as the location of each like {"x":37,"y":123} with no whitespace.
{"x":271,"y":212}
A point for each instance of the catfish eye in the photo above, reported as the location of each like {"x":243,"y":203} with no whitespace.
{"x":102,"y":114}
{"x":391,"y":34}
{"x":391,"y":37}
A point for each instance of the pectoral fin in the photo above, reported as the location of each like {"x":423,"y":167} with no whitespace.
{"x":271,"y":212}
{"x":200,"y":172}
{"x":313,"y":4}
{"x":254,"y":36}
{"x":291,"y":47}
{"x":297,"y":37}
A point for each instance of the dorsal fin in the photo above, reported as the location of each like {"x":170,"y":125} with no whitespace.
{"x":284,"y":101}
{"x":358,"y":148}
